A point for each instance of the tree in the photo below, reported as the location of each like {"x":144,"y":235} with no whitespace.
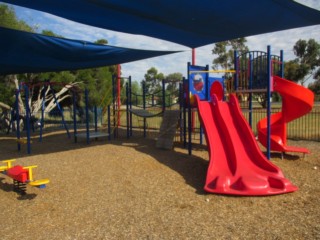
{"x":102,"y":41}
{"x":9,"y":19}
{"x":225,"y":53}
{"x":135,"y":87}
{"x":306,"y":63}
{"x":136,"y":91}
{"x":173,"y":80}
{"x":50,"y":33}
{"x":172,"y":88}
{"x":153,"y":80}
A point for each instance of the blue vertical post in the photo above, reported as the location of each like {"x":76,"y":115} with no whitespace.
{"x":130,"y":104}
{"x":61,"y":111}
{"x":269,"y":102}
{"x":184,"y":99}
{"x":87,"y":115}
{"x":180,"y":107}
{"x":207,"y":83}
{"x":18,"y":117}
{"x":224,"y":87}
{"x":281,"y":64}
{"x":163,"y":95}
{"x":127,"y":111}
{"x":189,"y":126}
{"x":189,"y":114}
{"x":207,"y":98}
{"x":109,"y":123}
{"x":236,"y":68}
{"x":114,"y":78}
{"x":26,"y":90}
{"x":144,"y":107}
{"x":250,"y":87}
{"x":74,"y":98}
{"x":95,"y":119}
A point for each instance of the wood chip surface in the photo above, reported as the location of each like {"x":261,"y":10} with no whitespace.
{"x":129,"y":189}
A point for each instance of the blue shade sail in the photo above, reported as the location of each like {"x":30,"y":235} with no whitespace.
{"x":24,"y":52}
{"x":189,"y":22}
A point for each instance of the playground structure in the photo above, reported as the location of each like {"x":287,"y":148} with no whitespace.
{"x":243,"y":169}
{"x":197,"y":83}
{"x":22,"y":176}
{"x":262,"y":73}
{"x":255,"y":76}
{"x":250,"y":77}
{"x":29,"y":120}
{"x":112,"y":109}
{"x":297,"y":101}
{"x":237,"y":165}
{"x":90,"y":134}
{"x":149,"y":105}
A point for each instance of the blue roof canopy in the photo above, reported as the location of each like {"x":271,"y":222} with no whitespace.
{"x":189,"y":22}
{"x":24,"y":52}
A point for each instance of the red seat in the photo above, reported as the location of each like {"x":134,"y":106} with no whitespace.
{"x":18,"y":173}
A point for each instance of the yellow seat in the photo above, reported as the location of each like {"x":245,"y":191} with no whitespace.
{"x":39,"y":182}
{"x":9,"y":164}
{"x":3,"y":168}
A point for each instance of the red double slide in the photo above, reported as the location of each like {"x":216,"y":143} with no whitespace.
{"x":236,"y":164}
{"x":297,"y":101}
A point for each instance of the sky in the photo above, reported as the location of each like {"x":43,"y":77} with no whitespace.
{"x":282,"y":40}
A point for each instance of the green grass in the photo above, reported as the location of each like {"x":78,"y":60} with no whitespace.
{"x":304,"y":128}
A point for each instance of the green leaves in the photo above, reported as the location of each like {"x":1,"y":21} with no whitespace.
{"x":224,"y":52}
{"x":306,"y":62}
{"x":9,"y":19}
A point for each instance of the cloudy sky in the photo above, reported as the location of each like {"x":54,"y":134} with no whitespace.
{"x":283,"y":40}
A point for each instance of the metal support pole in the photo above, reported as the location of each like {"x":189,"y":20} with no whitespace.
{"x":118,"y":94}
{"x":281,"y":64}
{"x":180,"y":108}
{"x":26,"y":89}
{"x":74,"y":116}
{"x":269,"y":102}
{"x":184,"y":99}
{"x":18,"y":118}
{"x":109,"y":123}
{"x":114,"y":105}
{"x":130,"y":104}
{"x":127,"y":111}
{"x":144,"y":107}
{"x":60,"y":110}
{"x":236,"y":68}
{"x":250,"y":87}
{"x":87,"y":115}
{"x":95,"y":119}
{"x":189,"y":113}
{"x":163,"y":95}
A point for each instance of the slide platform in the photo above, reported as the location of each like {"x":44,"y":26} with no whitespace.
{"x":237,"y":166}
{"x":297,"y":101}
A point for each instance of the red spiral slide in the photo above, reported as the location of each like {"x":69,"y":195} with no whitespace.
{"x":237,"y":166}
{"x":296,"y":102}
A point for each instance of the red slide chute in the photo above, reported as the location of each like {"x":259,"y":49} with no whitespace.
{"x":237,"y":166}
{"x":297,"y":101}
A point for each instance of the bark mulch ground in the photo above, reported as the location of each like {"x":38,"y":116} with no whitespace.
{"x":128,"y":189}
